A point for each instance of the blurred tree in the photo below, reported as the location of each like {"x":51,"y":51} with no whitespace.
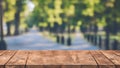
{"x":9,"y":12}
{"x":3,"y":45}
{"x":92,"y":14}
{"x":40,"y":15}
{"x":80,"y":6}
{"x":116,"y":17}
{"x":20,"y":4}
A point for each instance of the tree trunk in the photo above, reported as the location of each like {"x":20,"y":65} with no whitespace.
{"x":107,"y":31}
{"x":3,"y":45}
{"x":9,"y":28}
{"x":115,"y":28}
{"x":107,"y":40}
{"x":17,"y":23}
{"x":95,"y":33}
{"x":1,"y":24}
{"x":69,"y":42}
{"x":62,"y":39}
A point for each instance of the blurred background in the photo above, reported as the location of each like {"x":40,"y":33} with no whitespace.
{"x":60,"y":24}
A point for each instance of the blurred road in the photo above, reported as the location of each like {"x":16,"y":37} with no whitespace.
{"x":34,"y":40}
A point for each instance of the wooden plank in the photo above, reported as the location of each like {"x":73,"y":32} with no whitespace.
{"x":117,"y":52}
{"x":101,"y":60}
{"x":86,"y":60}
{"x":112,"y":57}
{"x":5,"y":57}
{"x":18,"y":60}
{"x":1,"y":52}
{"x":41,"y":59}
{"x":60,"y":52}
{"x":45,"y":52}
{"x":58,"y":59}
{"x":65,"y":59}
{"x":34,"y":60}
{"x":82,"y":59}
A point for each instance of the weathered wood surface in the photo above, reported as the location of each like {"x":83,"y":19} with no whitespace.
{"x":59,"y":59}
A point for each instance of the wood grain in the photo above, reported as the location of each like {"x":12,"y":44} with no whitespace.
{"x":5,"y":57}
{"x":18,"y":60}
{"x":112,"y":57}
{"x":59,"y":59}
{"x":86,"y":60}
{"x":101,"y":60}
{"x":41,"y":59}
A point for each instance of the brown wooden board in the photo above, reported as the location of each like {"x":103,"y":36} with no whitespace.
{"x":5,"y":57}
{"x":1,"y":52}
{"x":51,"y":60}
{"x":86,"y":60}
{"x":59,"y":59}
{"x":117,"y":52}
{"x":41,"y":59}
{"x":101,"y":60}
{"x":18,"y":60}
{"x":112,"y":57}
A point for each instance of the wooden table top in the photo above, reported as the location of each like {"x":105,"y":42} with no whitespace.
{"x":59,"y":59}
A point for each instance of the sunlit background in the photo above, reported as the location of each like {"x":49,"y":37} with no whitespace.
{"x":61,"y":24}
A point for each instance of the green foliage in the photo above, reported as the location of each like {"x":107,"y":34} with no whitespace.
{"x":88,"y":12}
{"x":9,"y":10}
{"x":20,"y":4}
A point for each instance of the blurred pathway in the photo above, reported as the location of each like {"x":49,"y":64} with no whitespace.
{"x":35,"y":41}
{"x":79,"y":43}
